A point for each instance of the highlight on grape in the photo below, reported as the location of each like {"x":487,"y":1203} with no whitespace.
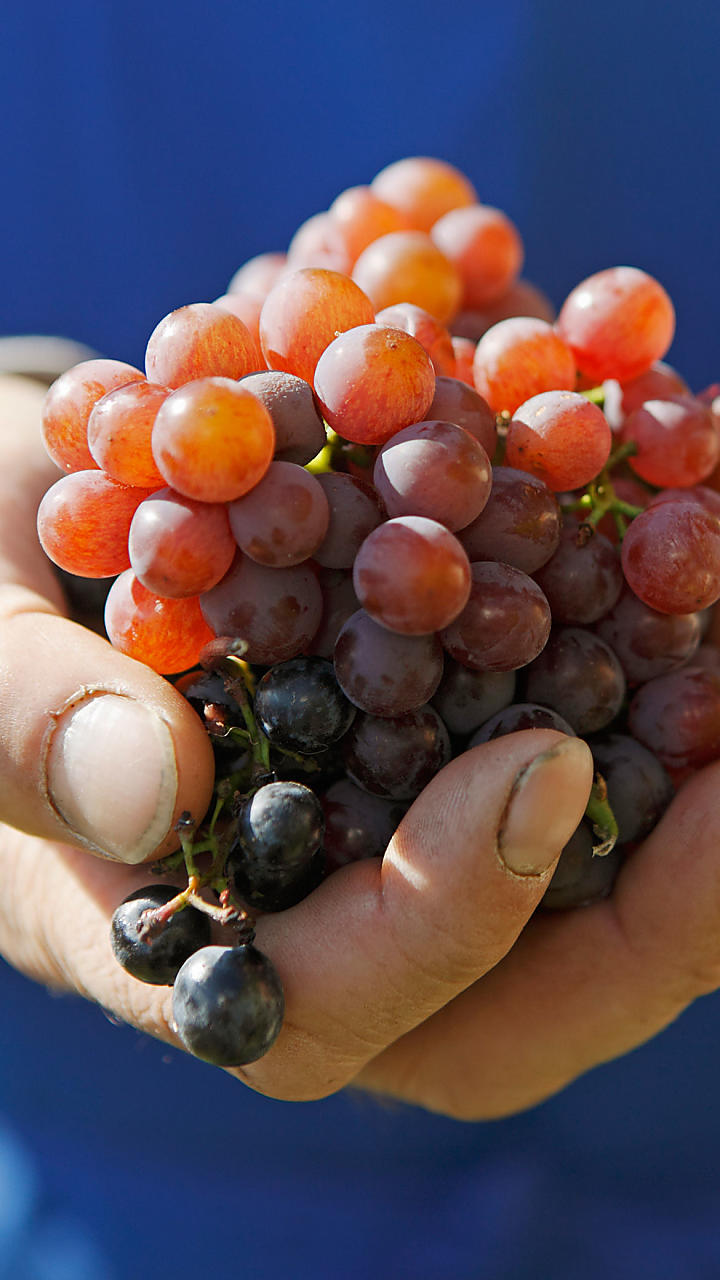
{"x":373,"y":507}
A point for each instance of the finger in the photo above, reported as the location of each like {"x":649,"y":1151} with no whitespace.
{"x":582,"y":987}
{"x":94,"y":747}
{"x":380,"y":946}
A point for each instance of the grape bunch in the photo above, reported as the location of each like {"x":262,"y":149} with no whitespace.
{"x":373,"y":507}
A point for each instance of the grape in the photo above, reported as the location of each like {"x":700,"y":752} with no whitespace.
{"x":213,"y":440}
{"x":639,"y":789}
{"x":83,"y":523}
{"x":200,"y":341}
{"x":300,"y":706}
{"x":69,"y":403}
{"x":455,"y":402}
{"x":228,"y":1005}
{"x":357,"y":825}
{"x":505,"y":623}
{"x":559,"y":436}
{"x":521,"y":715}
{"x":372,"y":382}
{"x":519,"y":525}
{"x":407,"y":266}
{"x":583,"y":579}
{"x":648,"y":643}
{"x":258,"y":275}
{"x":353,"y":512}
{"x":167,"y":635}
{"x":578,"y":675}
{"x":423,"y":189}
{"x":431,"y":335}
{"x":433,"y":469}
{"x":339,"y":602}
{"x":464,"y":352}
{"x":275,"y":611}
{"x":671,"y":557}
{"x":522,"y":299}
{"x":581,"y":877}
{"x":412,"y":575}
{"x":466,"y":699}
{"x":291,"y":403}
{"x":119,"y":433}
{"x":676,"y":441}
{"x":247,"y":308}
{"x":678,"y":717}
{"x":385,"y":673}
{"x":319,"y":242}
{"x":158,"y":958}
{"x":520,"y":358}
{"x":485,"y":247}
{"x":617,"y":323}
{"x":304,"y":312}
{"x":657,"y":383}
{"x":396,"y":757}
{"x":284,"y":517}
{"x":361,"y":216}
{"x":179,"y":547}
{"x":273,"y":861}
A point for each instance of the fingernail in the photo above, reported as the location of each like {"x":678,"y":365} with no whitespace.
{"x":112,"y":776}
{"x":546,"y":803}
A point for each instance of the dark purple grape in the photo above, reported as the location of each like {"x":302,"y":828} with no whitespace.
{"x":274,"y":858}
{"x":383,"y":672}
{"x":639,"y":789}
{"x":158,"y":959}
{"x":466,"y":699}
{"x":521,"y":715}
{"x":578,"y":675}
{"x":505,"y":623}
{"x":581,"y":877}
{"x":396,"y":757}
{"x":228,"y":1005}
{"x":583,"y":579}
{"x":357,"y":825}
{"x":300,"y":706}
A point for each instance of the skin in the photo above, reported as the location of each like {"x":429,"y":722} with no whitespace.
{"x":418,"y":977}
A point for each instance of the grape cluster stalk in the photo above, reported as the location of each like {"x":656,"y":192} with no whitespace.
{"x":373,"y":507}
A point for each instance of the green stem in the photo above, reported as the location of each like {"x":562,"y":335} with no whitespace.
{"x":603,"y":820}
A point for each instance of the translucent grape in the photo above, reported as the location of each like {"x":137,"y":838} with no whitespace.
{"x":559,"y":436}
{"x":304,"y":312}
{"x":200,"y":341}
{"x":455,"y":402}
{"x":284,"y":517}
{"x":671,"y":557}
{"x":486,"y":248}
{"x":407,"y":266}
{"x":167,"y":635}
{"x":179,"y":547}
{"x":69,"y":403}
{"x":434,"y":469}
{"x":84,"y":520}
{"x":520,"y":358}
{"x":119,"y":433}
{"x":505,"y":623}
{"x":412,"y":576}
{"x":423,"y":189}
{"x":617,"y":322}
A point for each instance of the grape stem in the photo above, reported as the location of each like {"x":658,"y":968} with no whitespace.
{"x":599,"y":813}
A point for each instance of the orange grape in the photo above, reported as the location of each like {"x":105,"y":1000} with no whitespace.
{"x":617,"y":323}
{"x":120,"y":432}
{"x":423,"y":189}
{"x":372,"y":382}
{"x":179,"y":547}
{"x":519,"y":358}
{"x":213,"y":440}
{"x":486,"y":248}
{"x":258,"y":275}
{"x":84,"y":520}
{"x":167,"y":635}
{"x":200,"y":340}
{"x":69,"y":403}
{"x":302,"y":314}
{"x":407,"y":266}
{"x":247,"y":307}
{"x":318,"y":242}
{"x":431,"y":335}
{"x":522,"y":299}
{"x":464,"y":352}
{"x":361,"y":217}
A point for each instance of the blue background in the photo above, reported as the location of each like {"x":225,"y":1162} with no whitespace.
{"x":146,"y":150}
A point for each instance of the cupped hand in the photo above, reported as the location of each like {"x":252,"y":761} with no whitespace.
{"x":421,"y":976}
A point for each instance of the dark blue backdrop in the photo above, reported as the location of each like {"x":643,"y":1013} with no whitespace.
{"x":145,"y":151}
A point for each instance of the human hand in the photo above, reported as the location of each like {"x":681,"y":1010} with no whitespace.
{"x":419,"y":977}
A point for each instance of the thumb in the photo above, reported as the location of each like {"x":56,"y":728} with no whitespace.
{"x":95,"y":749}
{"x":382,"y":945}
